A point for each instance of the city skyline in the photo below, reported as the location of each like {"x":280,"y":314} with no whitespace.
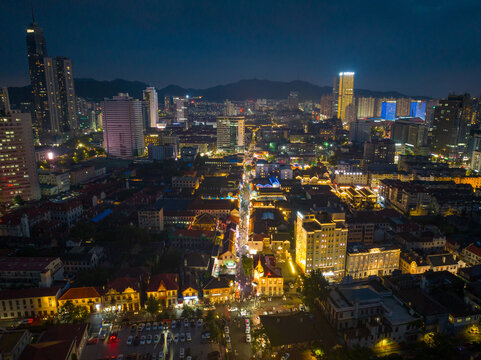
{"x":424,"y":61}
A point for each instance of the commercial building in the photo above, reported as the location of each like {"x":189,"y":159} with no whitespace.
{"x":151,"y":219}
{"x":375,"y":260}
{"x":452,"y":118}
{"x":365,"y":107}
{"x":18,"y":170}
{"x":122,"y":124}
{"x":379,"y":151}
{"x":321,"y":240}
{"x":164,"y":287}
{"x":409,"y":132}
{"x":388,"y":110}
{"x":403,"y":107}
{"x":152,"y":100}
{"x":219,"y":290}
{"x":122,"y":294}
{"x":344,"y":97}
{"x":418,"y":109}
{"x":230,"y":134}
{"x":180,"y":110}
{"x":25,"y":303}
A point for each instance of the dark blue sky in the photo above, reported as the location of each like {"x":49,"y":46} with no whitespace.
{"x":419,"y":47}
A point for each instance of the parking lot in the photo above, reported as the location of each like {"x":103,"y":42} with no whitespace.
{"x":196,"y":347}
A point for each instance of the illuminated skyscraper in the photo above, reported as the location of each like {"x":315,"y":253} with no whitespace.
{"x":230,"y":133}
{"x":18,"y":170}
{"x":180,"y":110}
{"x":4,"y":101}
{"x":293,"y":100}
{"x":122,"y":124}
{"x":66,"y":95}
{"x":151,"y":98}
{"x":344,"y":96}
{"x":44,"y":84}
{"x":327,"y":105}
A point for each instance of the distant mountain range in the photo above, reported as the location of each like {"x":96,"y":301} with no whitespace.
{"x":241,"y":90}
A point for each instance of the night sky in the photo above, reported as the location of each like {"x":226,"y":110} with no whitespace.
{"x":418,"y":47}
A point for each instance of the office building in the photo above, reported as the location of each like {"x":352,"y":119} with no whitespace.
{"x":293,"y":100}
{"x":230,"y":133}
{"x":327,"y":105}
{"x":321,"y":240}
{"x":379,"y":151}
{"x":66,"y":95}
{"x":4,"y":101}
{"x":152,"y":101}
{"x":451,"y":124}
{"x":388,"y":110}
{"x":411,"y":132}
{"x":418,"y":109}
{"x":180,"y":110}
{"x":403,"y":107}
{"x":360,"y":131}
{"x":18,"y":169}
{"x":122,"y":123}
{"x":43,"y":81}
{"x":344,"y":97}
{"x":365,"y":107}
{"x":229,"y":109}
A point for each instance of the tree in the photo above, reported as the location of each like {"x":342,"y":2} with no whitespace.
{"x":152,"y":305}
{"x":187,"y":311}
{"x":247,"y":264}
{"x":83,"y":230}
{"x":70,"y":313}
{"x":18,"y":200}
{"x":315,"y":287}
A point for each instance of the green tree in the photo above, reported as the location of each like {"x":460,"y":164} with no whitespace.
{"x":17,"y":200}
{"x":187,"y":311}
{"x":247,"y":265}
{"x":314,"y":287}
{"x":83,"y":230}
{"x":152,"y":306}
{"x":70,"y":313}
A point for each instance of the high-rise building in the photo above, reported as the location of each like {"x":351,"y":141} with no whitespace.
{"x":388,"y":110}
{"x":379,"y":151}
{"x":4,"y":101}
{"x":229,"y":109}
{"x":365,"y":107}
{"x":180,"y":110}
{"x":293,"y":100}
{"x":122,"y":124}
{"x":326,"y":105}
{"x":230,"y":134}
{"x":451,"y":123}
{"x":360,"y":131}
{"x":403,"y":107}
{"x":43,"y":80}
{"x":418,"y":109}
{"x":344,"y":96}
{"x":66,"y":95}
{"x":18,"y":169}
{"x":410,"y":132}
{"x":151,"y":98}
{"x":321,"y":240}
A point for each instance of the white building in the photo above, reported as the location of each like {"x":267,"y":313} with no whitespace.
{"x":150,"y":96}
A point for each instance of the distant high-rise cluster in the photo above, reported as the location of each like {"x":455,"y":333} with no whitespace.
{"x":53,"y":91}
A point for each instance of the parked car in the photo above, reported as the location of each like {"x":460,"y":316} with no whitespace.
{"x":227,"y":338}
{"x":147,"y":327}
{"x":186,"y":322}
{"x":188,"y":337}
{"x":248,"y":338}
{"x":199,"y":323}
{"x":226,"y":329}
{"x":130,"y":339}
{"x":286,"y":356}
{"x":142,"y":340}
{"x":154,"y":326}
{"x":149,"y":339}
{"x":156,"y":339}
{"x":182,"y":337}
{"x":176,"y":338}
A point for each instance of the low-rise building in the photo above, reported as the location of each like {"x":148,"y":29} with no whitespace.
{"x":471,"y":254}
{"x":218,"y":290}
{"x":268,"y":278}
{"x":122,"y":294}
{"x":12,"y":343}
{"x":151,"y":219}
{"x":25,"y":303}
{"x":185,"y":182}
{"x":363,"y":261}
{"x":88,"y":297}
{"x":164,"y":287}
{"x":426,"y":241}
{"x":30,"y":271}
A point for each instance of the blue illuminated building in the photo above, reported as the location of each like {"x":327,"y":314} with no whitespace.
{"x":418,"y":109}
{"x":388,"y":110}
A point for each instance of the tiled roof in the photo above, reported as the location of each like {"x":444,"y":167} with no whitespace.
{"x":474,"y":249}
{"x":217,"y":283}
{"x":170,"y":282}
{"x":120,"y":284}
{"x":80,"y":293}
{"x":28,"y":293}
{"x":25,"y":263}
